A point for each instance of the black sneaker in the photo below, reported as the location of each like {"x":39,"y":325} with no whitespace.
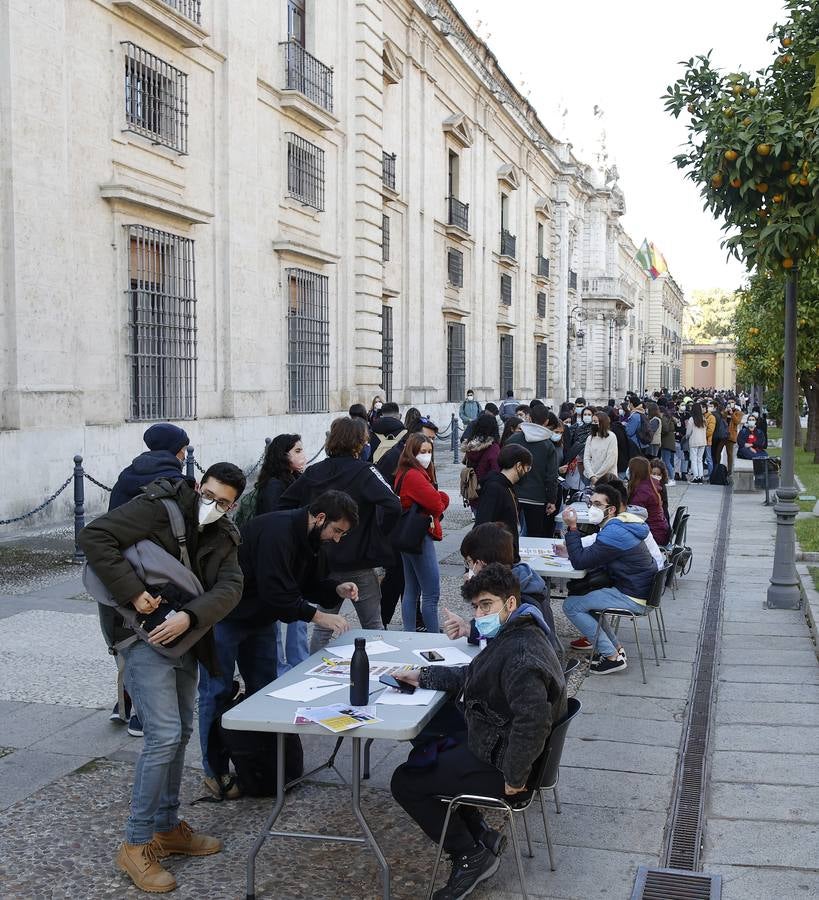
{"x":605,"y":666}
{"x":571,"y":665}
{"x":135,"y":726}
{"x":115,"y":716}
{"x":494,"y":841}
{"x":468,"y":871}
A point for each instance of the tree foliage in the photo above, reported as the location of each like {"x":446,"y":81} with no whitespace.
{"x":711,"y":316}
{"x":754,"y":144}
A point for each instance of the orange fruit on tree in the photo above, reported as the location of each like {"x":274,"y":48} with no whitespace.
{"x":762,"y":187}
{"x":717,"y":180}
{"x":778,"y":198}
{"x":731,"y":155}
{"x":803,"y":181}
{"x":793,"y":179}
{"x":786,"y":166}
{"x":747,"y":121}
{"x":728,"y":112}
{"x":753,"y":91}
{"x":736,"y":182}
{"x":787,"y":262}
{"x":736,"y":90}
{"x":786,"y":41}
{"x":763,"y":149}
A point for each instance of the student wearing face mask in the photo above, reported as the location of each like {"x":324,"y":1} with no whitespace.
{"x":415,"y":483}
{"x":165,"y":686}
{"x":751,"y":440}
{"x":470,"y":409}
{"x":497,"y":501}
{"x":710,"y":426}
{"x":537,"y":492}
{"x":600,"y":452}
{"x":511,"y":695}
{"x":733,"y":419}
{"x":572,"y":468}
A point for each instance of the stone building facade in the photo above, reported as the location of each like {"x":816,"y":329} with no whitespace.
{"x":245,"y":216}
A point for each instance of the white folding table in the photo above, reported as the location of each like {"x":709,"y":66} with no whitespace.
{"x":399,"y":723}
{"x":544,"y":566}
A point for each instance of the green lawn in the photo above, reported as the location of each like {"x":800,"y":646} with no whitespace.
{"x":807,"y":529}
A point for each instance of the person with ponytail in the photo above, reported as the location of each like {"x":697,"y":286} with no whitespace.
{"x":642,"y":491}
{"x":284,"y":461}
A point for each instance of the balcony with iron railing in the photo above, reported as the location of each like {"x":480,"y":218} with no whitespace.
{"x":457,"y":214}
{"x":388,"y":170}
{"x":542,"y":267}
{"x":190,"y":9}
{"x":508,"y":243}
{"x":182,"y":19}
{"x":307,"y":75}
{"x":608,"y":287}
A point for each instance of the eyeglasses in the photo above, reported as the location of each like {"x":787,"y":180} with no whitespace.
{"x":484,"y":606}
{"x":224,"y":505}
{"x":602,"y":506}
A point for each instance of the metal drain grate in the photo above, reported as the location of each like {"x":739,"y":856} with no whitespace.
{"x":674,"y":884}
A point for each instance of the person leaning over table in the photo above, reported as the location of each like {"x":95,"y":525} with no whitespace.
{"x":513,"y":693}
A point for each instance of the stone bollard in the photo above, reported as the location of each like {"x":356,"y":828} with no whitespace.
{"x":79,"y":508}
{"x":189,"y":472}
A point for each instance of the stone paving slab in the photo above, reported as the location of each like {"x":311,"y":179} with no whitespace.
{"x":26,"y":771}
{"x":618,"y":756}
{"x":732,"y":692}
{"x":621,"y":790}
{"x":751,"y":712}
{"x":764,"y":802}
{"x":767,"y":738}
{"x":794,"y":675}
{"x":658,"y":686}
{"x":26,"y":723}
{"x":764,"y":768}
{"x":757,"y":844}
{"x":793,"y":628}
{"x":628,"y":707}
{"x":746,"y":882}
{"x":742,"y":642}
{"x":762,"y":656}
{"x":632,"y":731}
{"x":92,"y":736}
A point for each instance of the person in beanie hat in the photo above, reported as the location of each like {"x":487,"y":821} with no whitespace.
{"x":165,"y":436}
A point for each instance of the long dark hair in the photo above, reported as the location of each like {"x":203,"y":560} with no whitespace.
{"x":408,"y":461}
{"x":486,"y":427}
{"x":510,"y":427}
{"x":640,"y":470}
{"x":276,"y":464}
{"x":697,"y":416}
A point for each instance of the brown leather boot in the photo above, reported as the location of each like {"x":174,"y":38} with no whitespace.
{"x":184,"y":840}
{"x":140,"y":862}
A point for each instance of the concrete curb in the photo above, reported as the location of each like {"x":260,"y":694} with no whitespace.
{"x":811,"y":610}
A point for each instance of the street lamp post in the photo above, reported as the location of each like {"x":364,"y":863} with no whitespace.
{"x":615,"y":320}
{"x":646,"y":347}
{"x":784,"y":591}
{"x":576,"y":314}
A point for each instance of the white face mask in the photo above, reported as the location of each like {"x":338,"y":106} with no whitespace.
{"x":424,"y":459}
{"x":595,"y":515}
{"x":657,"y":478}
{"x":208,"y":512}
{"x":587,"y":420}
{"x":470,"y":396}
{"x":578,"y":409}
{"x":378,"y":405}
{"x":557,"y":438}
{"x":751,"y":424}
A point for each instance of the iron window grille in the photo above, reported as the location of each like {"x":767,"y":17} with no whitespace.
{"x":161,"y":324}
{"x":308,"y":341}
{"x":541,"y":304}
{"x":455,"y":267}
{"x":507,"y":363}
{"x":506,"y":290}
{"x":572,"y":280}
{"x":385,"y":238}
{"x":455,"y":362}
{"x":388,"y":170}
{"x":543,"y":267}
{"x":541,"y":370}
{"x":305,"y":74}
{"x":156,"y":99}
{"x":507,"y":243}
{"x":305,"y":171}
{"x":458,"y":213}
{"x":386,"y":351}
{"x":190,"y":9}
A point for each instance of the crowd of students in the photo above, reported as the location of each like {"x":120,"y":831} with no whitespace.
{"x":314,"y":536}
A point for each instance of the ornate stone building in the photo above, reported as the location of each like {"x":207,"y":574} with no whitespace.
{"x":246,"y":216}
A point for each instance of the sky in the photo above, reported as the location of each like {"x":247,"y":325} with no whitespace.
{"x":620,"y":55}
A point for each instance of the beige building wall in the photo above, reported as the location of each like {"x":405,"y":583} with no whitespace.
{"x":710,"y":366}
{"x":74,"y":178}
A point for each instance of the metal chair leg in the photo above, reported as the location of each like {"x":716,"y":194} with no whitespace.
{"x":662,"y":622}
{"x":516,"y":844}
{"x":660,"y":634}
{"x":528,"y":836}
{"x":653,"y":641}
{"x":557,"y":800}
{"x":546,"y":830}
{"x":440,"y":850}
{"x":639,"y":649}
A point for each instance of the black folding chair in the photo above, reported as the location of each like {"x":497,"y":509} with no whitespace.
{"x":545,"y":772}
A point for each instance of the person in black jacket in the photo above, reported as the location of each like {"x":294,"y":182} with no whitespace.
{"x":623,"y":450}
{"x":514,"y":693}
{"x":282,"y":559}
{"x":388,"y":424}
{"x":284,"y":461}
{"x":367,"y":545}
{"x":496,"y":501}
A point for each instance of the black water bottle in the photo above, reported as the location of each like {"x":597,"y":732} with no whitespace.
{"x":359,"y":675}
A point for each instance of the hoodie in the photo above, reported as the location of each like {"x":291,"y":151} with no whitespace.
{"x":367,"y":545}
{"x":390,"y":425}
{"x":497,"y":503}
{"x":619,"y":549}
{"x":147,"y":467}
{"x":540,"y":485}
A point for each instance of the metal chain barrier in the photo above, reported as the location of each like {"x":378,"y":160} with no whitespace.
{"x":99,"y":484}
{"x":41,"y":507}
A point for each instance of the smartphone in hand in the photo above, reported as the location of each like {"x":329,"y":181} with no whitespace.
{"x":398,"y":685}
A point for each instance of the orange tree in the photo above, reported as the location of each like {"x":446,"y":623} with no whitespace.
{"x":754,"y":144}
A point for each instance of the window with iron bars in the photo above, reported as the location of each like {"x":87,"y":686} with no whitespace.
{"x":386,"y":351}
{"x":455,"y":267}
{"x":507,"y":363}
{"x":388,"y":170}
{"x":190,"y":9}
{"x":541,"y":370}
{"x":305,"y":171}
{"x":161,"y":324}
{"x":455,"y":362}
{"x":572,"y":280}
{"x":385,"y":238}
{"x":541,"y":304}
{"x":156,"y":99}
{"x":506,"y":290}
{"x":308,"y":340}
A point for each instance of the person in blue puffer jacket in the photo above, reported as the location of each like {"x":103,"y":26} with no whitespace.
{"x":621,"y":551}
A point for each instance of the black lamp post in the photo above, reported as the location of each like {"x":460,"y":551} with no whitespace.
{"x":646,"y":347}
{"x":576,"y":315}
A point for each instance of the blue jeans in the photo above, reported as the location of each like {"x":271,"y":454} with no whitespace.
{"x":668,"y":458}
{"x":421,"y":579}
{"x":293,"y":649}
{"x":680,"y":458}
{"x":163,"y":690}
{"x":578,"y":610}
{"x":254,"y":649}
{"x":708,"y":460}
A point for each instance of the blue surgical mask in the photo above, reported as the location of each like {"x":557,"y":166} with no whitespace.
{"x":489,"y":626}
{"x":557,"y":438}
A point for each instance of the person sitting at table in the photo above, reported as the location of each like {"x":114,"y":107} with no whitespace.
{"x":281,"y":559}
{"x":497,"y":501}
{"x":513,"y":693}
{"x":621,"y":551}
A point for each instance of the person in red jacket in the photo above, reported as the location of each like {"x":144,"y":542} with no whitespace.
{"x":643,"y":491}
{"x":415,"y":483}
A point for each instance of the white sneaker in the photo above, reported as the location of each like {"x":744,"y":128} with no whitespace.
{"x":670,"y":482}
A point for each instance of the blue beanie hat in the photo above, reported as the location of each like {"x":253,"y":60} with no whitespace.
{"x":166,"y":436}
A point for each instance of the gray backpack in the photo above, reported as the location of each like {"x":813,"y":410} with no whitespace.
{"x":153,"y":566}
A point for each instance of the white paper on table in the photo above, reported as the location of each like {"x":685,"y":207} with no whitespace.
{"x":373,"y":648}
{"x":309,"y":689}
{"x":452,"y":656}
{"x":393,"y":697}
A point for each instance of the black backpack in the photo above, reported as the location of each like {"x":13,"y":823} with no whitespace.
{"x":254,"y":759}
{"x":720,"y":430}
{"x":644,"y":432}
{"x":719,"y":475}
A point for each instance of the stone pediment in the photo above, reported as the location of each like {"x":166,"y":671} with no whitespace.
{"x":543,"y":206}
{"x":458,"y":127}
{"x":508,"y":175}
{"x":393,"y":71}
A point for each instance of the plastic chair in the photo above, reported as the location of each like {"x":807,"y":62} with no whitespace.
{"x":678,"y":514}
{"x":546,"y":773}
{"x":652,"y":606}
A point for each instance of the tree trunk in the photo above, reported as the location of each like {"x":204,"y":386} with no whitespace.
{"x":812,"y":400}
{"x":797,"y":416}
